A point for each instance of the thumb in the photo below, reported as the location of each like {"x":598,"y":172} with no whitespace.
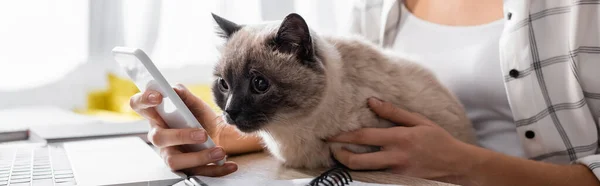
{"x":388,"y":111}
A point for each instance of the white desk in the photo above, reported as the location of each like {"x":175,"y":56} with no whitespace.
{"x":263,"y":165}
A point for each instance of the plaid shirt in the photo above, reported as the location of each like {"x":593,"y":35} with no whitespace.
{"x":550,"y":58}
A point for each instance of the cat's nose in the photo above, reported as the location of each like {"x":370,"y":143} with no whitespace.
{"x":232,"y":114}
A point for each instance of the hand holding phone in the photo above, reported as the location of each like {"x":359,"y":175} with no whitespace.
{"x":146,"y":76}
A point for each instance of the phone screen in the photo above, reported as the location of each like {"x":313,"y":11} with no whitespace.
{"x":142,"y":78}
{"x":136,"y":71}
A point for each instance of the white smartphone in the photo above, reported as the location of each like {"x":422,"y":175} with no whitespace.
{"x":146,"y":76}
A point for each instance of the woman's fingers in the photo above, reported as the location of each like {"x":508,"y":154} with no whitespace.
{"x":196,"y":163}
{"x":178,"y":161}
{"x":148,"y":99}
{"x":167,"y":151}
{"x":144,"y":103}
{"x":168,"y":140}
{"x":201,"y":110}
{"x":161,"y":137}
{"x":394,"y":114}
{"x":367,"y":161}
{"x":213,"y":170}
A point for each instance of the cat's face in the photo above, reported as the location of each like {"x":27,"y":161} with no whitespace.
{"x":267,"y":73}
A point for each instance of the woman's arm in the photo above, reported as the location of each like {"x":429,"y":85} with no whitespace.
{"x":423,"y":149}
{"x":498,"y":169}
{"x":223,"y":134}
{"x":236,"y":143}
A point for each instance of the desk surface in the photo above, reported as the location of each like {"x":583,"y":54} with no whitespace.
{"x":263,"y":165}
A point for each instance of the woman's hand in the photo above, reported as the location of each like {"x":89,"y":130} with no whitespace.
{"x":423,"y":149}
{"x":169,"y":140}
{"x":419,"y":148}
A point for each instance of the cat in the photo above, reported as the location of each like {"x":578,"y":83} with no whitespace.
{"x":295,"y":89}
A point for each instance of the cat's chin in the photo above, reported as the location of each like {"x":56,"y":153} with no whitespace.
{"x":248,"y":127}
{"x":245,"y":126}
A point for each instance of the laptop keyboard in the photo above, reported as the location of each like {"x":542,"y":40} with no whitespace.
{"x":46,"y":165}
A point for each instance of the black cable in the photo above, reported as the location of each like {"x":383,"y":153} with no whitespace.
{"x":339,"y":175}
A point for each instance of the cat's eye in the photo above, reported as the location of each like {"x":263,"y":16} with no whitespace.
{"x":260,"y":84}
{"x":223,"y":85}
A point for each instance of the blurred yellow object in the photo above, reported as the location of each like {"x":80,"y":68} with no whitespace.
{"x":113,"y":103}
{"x":204,"y":92}
{"x":109,"y":115}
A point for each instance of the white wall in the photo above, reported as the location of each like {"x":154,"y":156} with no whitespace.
{"x":175,"y":33}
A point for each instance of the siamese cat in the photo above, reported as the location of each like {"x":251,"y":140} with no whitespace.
{"x":295,"y":89}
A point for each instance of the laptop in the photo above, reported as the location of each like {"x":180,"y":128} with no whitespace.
{"x":125,"y":161}
{"x":55,"y":124}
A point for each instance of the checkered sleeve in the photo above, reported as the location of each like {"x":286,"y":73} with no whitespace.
{"x":592,"y":162}
{"x":550,"y":55}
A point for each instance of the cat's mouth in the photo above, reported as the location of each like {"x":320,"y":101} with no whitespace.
{"x":246,"y":125}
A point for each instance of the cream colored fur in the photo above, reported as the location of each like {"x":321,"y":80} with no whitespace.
{"x":357,"y":70}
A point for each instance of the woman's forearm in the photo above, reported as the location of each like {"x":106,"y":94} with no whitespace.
{"x":235,"y":143}
{"x":492,"y":168}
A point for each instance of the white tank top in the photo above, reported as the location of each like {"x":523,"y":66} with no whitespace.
{"x":466,"y":60}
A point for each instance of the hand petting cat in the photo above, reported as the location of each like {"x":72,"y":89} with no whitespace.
{"x":418,"y":148}
{"x":421,"y":148}
{"x":169,"y":140}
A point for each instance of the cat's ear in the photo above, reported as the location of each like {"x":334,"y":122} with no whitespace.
{"x":293,"y":37}
{"x":226,"y":27}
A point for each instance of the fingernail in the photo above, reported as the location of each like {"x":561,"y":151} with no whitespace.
{"x":180,"y":87}
{"x":199,"y":135}
{"x":231,"y":167}
{"x":153,"y":97}
{"x":217,"y":154}
{"x":375,"y":101}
